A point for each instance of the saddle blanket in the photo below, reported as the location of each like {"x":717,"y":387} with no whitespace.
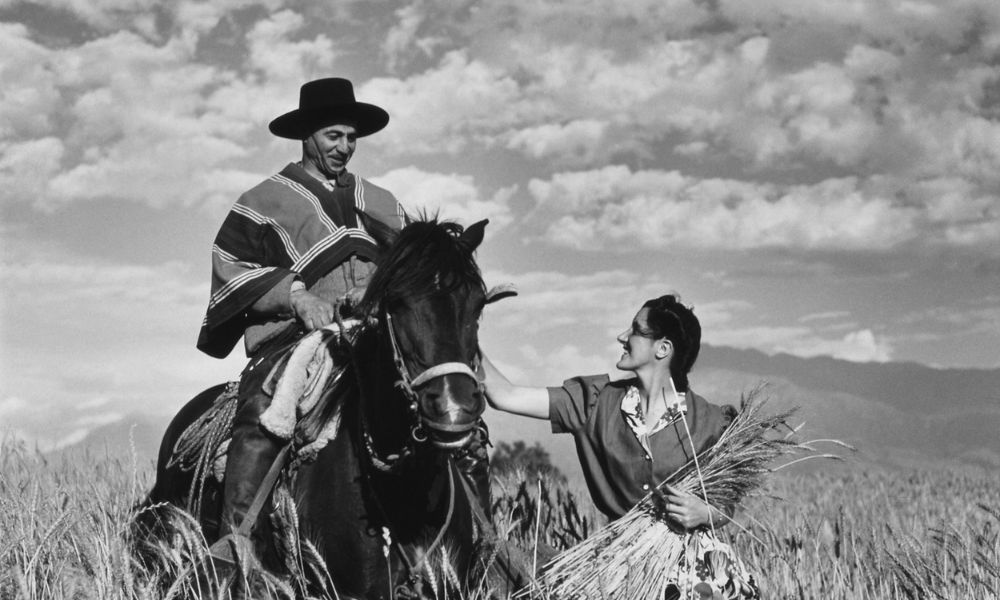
{"x":299,"y":381}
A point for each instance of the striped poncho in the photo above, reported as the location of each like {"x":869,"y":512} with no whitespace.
{"x":290,"y":225}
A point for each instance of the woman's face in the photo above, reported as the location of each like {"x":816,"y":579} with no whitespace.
{"x":638,"y":344}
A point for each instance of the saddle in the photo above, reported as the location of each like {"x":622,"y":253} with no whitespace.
{"x":301,"y":410}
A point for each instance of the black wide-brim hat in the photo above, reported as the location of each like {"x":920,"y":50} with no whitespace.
{"x":326,"y":102}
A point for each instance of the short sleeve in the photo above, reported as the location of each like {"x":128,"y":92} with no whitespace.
{"x":570,"y":405}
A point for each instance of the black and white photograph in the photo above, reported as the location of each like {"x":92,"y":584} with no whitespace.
{"x":499,"y":299}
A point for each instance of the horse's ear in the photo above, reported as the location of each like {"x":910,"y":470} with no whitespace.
{"x":499,"y":292}
{"x":384,"y":235}
{"x":473,"y":235}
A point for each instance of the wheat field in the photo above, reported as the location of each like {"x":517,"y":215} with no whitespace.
{"x":850,"y":535}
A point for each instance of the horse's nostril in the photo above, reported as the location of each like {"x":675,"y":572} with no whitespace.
{"x":479,"y":401}
{"x":431,"y":398}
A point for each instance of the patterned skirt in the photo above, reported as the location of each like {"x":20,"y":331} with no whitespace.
{"x":710,"y":570}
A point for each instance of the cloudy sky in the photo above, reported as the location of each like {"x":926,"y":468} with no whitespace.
{"x":817,"y":178}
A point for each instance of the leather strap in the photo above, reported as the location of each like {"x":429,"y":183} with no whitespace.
{"x":485,"y":523}
{"x":266,"y":485}
{"x":443,"y":369}
{"x":237,"y":542}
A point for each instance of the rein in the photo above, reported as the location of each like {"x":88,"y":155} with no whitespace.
{"x":413,"y":566}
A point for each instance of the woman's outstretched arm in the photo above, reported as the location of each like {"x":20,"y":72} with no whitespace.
{"x":516,"y":399}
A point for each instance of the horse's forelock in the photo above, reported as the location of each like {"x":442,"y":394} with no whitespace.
{"x":426,"y":258}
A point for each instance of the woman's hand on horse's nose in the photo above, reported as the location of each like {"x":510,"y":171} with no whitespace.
{"x":313,"y":311}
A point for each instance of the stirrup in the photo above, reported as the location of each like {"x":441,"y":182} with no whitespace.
{"x":235,"y":553}
{"x":231,"y":559}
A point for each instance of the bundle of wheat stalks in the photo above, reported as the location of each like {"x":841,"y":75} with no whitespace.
{"x":636,"y":557}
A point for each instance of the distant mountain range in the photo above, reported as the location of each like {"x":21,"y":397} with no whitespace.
{"x":895,"y":414}
{"x":907,"y":386}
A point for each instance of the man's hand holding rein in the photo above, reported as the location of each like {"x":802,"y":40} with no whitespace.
{"x":314,"y":312}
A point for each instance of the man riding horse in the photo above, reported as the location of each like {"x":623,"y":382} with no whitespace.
{"x":290,"y":256}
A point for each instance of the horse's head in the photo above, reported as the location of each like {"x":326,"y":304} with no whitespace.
{"x":428,"y":295}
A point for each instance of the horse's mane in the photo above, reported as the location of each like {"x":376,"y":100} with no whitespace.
{"x":426,"y":258}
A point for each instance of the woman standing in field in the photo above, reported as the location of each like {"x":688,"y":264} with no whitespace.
{"x":633,"y":434}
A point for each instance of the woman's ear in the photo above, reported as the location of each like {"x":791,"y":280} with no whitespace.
{"x":664,"y":349}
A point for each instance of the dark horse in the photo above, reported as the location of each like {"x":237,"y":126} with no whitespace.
{"x":383,"y":503}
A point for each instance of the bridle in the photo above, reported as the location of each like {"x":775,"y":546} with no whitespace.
{"x":408,"y":386}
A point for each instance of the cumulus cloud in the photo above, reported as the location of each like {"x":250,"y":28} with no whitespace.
{"x":842,"y":87}
{"x":657,"y":209}
{"x":146,"y":16}
{"x":200,"y":18}
{"x":453,"y":197}
{"x":771,"y":98}
{"x":867,"y":87}
{"x":30,"y":90}
{"x":278,"y":56}
{"x":103,"y":14}
{"x":23,"y":164}
{"x":136,"y":115}
{"x":461,"y":101}
{"x":898,"y":21}
{"x":602,"y":208}
{"x":581,"y":140}
{"x":811,"y":111}
{"x":403,"y":38}
{"x":964,"y":215}
{"x":621,"y":26}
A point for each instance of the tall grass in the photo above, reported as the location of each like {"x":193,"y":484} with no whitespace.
{"x":62,"y":525}
{"x":921,"y":534}
{"x":839,"y":535}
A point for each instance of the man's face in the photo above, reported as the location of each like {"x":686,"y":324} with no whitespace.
{"x":330,"y":148}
